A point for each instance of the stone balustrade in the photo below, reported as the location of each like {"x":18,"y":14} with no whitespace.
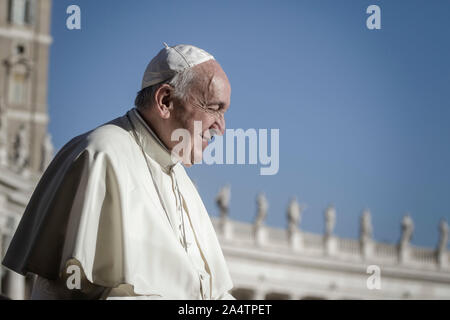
{"x":293,"y":240}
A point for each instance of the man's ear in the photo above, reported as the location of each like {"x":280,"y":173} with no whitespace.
{"x":163,"y":100}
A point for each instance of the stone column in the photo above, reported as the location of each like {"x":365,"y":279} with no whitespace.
{"x":3,"y":134}
{"x":295,"y":239}
{"x":442,"y":259}
{"x":15,"y":285}
{"x":4,"y":116}
{"x":330,"y":243}
{"x":260,"y":234}
{"x":2,"y":269}
{"x":226,"y":228}
{"x":3,"y":204}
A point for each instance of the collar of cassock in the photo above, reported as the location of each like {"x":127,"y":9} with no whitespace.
{"x":207,"y":240}
{"x":151,"y":143}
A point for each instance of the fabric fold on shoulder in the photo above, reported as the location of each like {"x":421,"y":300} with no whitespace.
{"x":74,"y":212}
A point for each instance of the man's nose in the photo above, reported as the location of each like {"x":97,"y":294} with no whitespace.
{"x":219,"y":125}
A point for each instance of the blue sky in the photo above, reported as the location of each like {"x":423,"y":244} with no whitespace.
{"x":363,"y":114}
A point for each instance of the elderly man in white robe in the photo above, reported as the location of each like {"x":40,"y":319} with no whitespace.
{"x":116,"y":204}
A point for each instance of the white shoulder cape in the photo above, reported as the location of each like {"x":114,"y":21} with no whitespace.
{"x":85,"y":207}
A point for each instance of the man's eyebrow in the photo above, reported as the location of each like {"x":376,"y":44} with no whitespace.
{"x":219,"y":103}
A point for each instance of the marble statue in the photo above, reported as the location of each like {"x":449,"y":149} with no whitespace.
{"x":262,"y":206}
{"x":407,"y":230}
{"x":443,"y":236}
{"x":223,"y":200}
{"x":294,"y":214}
{"x":366,"y":225}
{"x":21,"y":149}
{"x":330,"y":220}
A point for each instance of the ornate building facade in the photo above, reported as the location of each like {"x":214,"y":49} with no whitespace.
{"x":25,"y":145}
{"x":265,"y":262}
{"x":270,"y":263}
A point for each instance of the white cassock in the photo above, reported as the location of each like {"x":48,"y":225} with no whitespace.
{"x":115,"y":201}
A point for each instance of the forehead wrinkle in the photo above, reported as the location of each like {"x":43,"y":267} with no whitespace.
{"x":211,"y":88}
{"x":208,"y":85}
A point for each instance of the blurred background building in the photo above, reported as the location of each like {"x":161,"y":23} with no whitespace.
{"x":25,"y":146}
{"x":265,"y":262}
{"x":269,"y":263}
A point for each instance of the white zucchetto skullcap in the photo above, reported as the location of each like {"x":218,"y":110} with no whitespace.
{"x":171,"y":60}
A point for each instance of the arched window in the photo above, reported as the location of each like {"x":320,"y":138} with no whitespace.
{"x":18,"y":85}
{"x":21,"y":12}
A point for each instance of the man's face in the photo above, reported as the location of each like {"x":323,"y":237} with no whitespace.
{"x":207,"y":101}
